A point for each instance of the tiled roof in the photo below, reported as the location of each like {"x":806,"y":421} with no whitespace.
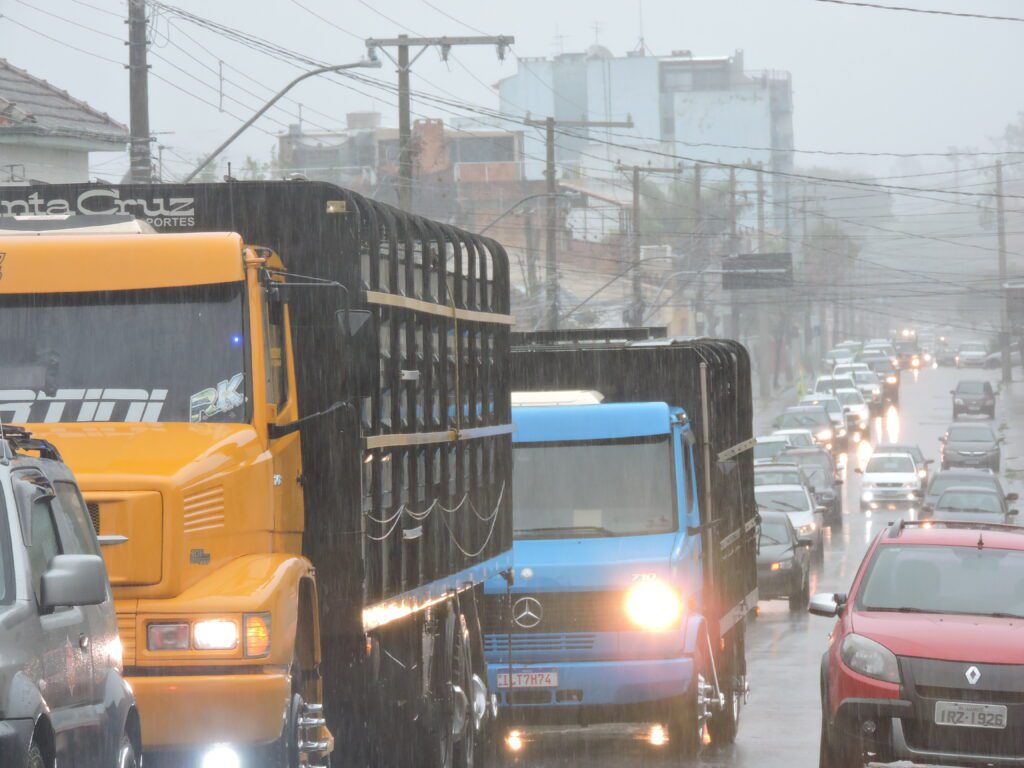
{"x":32,"y":106}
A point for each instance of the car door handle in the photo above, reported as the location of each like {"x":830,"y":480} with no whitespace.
{"x":83,"y":641}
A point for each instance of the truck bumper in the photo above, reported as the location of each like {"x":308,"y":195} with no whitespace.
{"x":598,"y":691}
{"x":188,"y":713}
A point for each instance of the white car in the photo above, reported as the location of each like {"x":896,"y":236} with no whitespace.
{"x":829,"y":383}
{"x":854,"y":403}
{"x":971,"y":353}
{"x":890,"y":481}
{"x":768,"y":447}
{"x":807,"y":517}
{"x":798,"y":438}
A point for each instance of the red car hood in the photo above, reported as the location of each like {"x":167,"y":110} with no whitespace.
{"x":980,"y":639}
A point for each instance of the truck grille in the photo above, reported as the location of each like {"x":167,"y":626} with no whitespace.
{"x":94,"y":515}
{"x":560,"y":612}
{"x":538,"y":642}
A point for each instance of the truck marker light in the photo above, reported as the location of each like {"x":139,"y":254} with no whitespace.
{"x":257,"y":634}
{"x":653,"y":605}
{"x":167,"y":636}
{"x":215,"y":635}
{"x":514,"y":741}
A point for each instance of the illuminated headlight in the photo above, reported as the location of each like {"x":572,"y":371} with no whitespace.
{"x":869,"y":658}
{"x":863,"y":424}
{"x":653,"y":605}
{"x":910,"y":486}
{"x":867,"y":496}
{"x":958,"y":401}
{"x":842,"y":431}
{"x":890,"y":379}
{"x":782,"y":565}
{"x":809,"y":528}
{"x":915,"y":363}
{"x":927,"y":357}
{"x":221,"y":756}
{"x":824,"y":434}
{"x":922,"y":473}
{"x":215,"y":635}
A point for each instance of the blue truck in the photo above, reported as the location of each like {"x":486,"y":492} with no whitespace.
{"x":634,"y":536}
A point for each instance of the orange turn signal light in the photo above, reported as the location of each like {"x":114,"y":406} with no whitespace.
{"x":257,"y":634}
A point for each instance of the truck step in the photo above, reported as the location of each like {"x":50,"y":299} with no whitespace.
{"x":313,"y":746}
{"x":306,"y":722}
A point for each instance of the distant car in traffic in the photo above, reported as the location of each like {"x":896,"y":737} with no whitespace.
{"x":798,"y":438}
{"x":924,"y":663}
{"x":63,"y":700}
{"x":995,"y":359}
{"x":974,"y":396}
{"x":812,"y":417}
{"x":840,"y":423}
{"x":971,"y":354}
{"x":971,"y":445}
{"x":916,"y":454}
{"x":888,"y":375}
{"x":829,"y":383}
{"x":825,"y":483}
{"x":839,"y":355}
{"x":889,"y":481}
{"x":944,"y":354}
{"x":768,"y":447}
{"x":854,"y":404}
{"x":783,"y":562}
{"x":805,"y":514}
{"x":781,"y":474}
{"x":950,"y":478}
{"x":979,"y":505}
{"x":866,"y":380}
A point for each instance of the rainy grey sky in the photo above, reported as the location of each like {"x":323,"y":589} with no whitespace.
{"x":862,"y":79}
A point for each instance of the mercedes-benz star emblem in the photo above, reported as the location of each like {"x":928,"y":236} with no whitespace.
{"x":973,"y":675}
{"x":527,"y":612}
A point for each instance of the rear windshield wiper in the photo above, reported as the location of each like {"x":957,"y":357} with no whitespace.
{"x":581,"y":530}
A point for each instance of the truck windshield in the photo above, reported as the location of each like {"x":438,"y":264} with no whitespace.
{"x":156,"y":355}
{"x":979,"y":581}
{"x":594,"y":488}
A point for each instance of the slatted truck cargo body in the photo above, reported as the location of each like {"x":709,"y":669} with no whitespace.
{"x":708,"y":378}
{"x":406,"y":462}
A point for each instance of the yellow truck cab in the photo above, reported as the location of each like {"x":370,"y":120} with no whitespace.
{"x":291,"y":405}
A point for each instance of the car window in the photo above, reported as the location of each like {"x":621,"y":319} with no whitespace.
{"x":969,"y":501}
{"x":45,"y":543}
{"x":82,"y":540}
{"x":774,"y":532}
{"x":850,"y":398}
{"x":971,"y":387}
{"x":944,"y":480}
{"x":782,"y":501}
{"x":890,"y":464}
{"x":778,"y":477}
{"x":804,"y":418}
{"x":973,"y":433}
{"x":769,"y":450}
{"x":972,"y":347}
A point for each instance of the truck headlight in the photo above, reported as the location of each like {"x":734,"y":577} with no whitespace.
{"x":215,"y":635}
{"x":653,"y":605}
{"x":169,"y":636}
{"x":870,"y":658}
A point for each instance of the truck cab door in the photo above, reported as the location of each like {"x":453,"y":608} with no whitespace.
{"x":688,"y":555}
{"x":282,"y":408}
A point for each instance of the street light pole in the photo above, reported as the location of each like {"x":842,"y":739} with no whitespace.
{"x":363,"y":63}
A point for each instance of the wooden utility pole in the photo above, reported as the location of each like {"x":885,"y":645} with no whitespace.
{"x":1004,"y":308}
{"x":138,"y":93}
{"x":404,"y":64}
{"x":551,"y":174}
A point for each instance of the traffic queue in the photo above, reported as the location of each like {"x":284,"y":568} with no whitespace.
{"x":923,"y":663}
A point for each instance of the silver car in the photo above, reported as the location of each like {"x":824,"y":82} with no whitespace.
{"x":63,"y":701}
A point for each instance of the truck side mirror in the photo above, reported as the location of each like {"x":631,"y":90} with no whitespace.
{"x":73,"y":580}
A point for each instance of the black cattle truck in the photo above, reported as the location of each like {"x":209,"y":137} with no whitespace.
{"x":710,"y":380}
{"x":398,"y":331}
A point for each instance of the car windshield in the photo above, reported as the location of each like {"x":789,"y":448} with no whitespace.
{"x":804,"y":418}
{"x":969,"y":501}
{"x":866,"y":377}
{"x":773,"y":532}
{"x":903,"y":464}
{"x":769,"y":450}
{"x":970,"y":433}
{"x":830,"y":404}
{"x":906,"y":347}
{"x":852,"y":397}
{"x":913,"y":450}
{"x":800,"y":439}
{"x":161,"y":355}
{"x":975,"y":580}
{"x":778,"y":477}
{"x":944,"y":480}
{"x":600,"y":488}
{"x":971,"y":387}
{"x":782,"y":501}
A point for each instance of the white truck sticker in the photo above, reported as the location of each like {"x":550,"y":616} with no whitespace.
{"x":208,"y":402}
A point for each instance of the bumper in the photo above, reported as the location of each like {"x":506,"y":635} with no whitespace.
{"x":190,"y":712}
{"x":973,"y":407}
{"x":986,"y":460}
{"x":598,"y":691}
{"x":891,"y":502}
{"x":15,"y":736}
{"x":775,"y":584}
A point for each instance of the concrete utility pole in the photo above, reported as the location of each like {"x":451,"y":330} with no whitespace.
{"x":1004,"y":308}
{"x":760,"y":209}
{"x":404,"y":64}
{"x":550,"y":171}
{"x":734,"y":313}
{"x":138,"y":85}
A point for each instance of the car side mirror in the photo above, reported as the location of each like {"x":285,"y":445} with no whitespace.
{"x":858,"y":470}
{"x":918,"y":494}
{"x":1012,"y":496}
{"x":929,"y":461}
{"x":73,"y":580}
{"x":1013,"y":512}
{"x":839,"y":481}
{"x":825,"y":604}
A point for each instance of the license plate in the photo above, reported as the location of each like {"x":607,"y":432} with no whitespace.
{"x":970,"y":715}
{"x":534,"y":678}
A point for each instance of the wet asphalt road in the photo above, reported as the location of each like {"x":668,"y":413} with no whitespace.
{"x":780,"y":724}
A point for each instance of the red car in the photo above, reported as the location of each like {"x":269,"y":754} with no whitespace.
{"x":926,"y":661}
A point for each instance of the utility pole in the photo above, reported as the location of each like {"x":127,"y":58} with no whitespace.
{"x":734,"y":313}
{"x":404,"y":64}
{"x":1004,"y":309}
{"x":698,"y":249}
{"x":760,"y":209}
{"x":550,"y":171}
{"x":138,"y":85}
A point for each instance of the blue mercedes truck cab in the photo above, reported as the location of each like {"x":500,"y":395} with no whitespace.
{"x":615,"y":612}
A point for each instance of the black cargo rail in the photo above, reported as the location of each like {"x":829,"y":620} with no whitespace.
{"x":412,"y":483}
{"x":670,"y":371}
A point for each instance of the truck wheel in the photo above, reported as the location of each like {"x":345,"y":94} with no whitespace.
{"x":686,"y":725}
{"x":462,"y":676}
{"x":725,"y":723}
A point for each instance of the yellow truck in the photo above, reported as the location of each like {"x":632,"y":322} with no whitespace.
{"x":289,"y":404}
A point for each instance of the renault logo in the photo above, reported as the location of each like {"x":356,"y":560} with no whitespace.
{"x":973,"y":675}
{"x":527,"y":612}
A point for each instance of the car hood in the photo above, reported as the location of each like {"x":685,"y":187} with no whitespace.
{"x":970,"y":396}
{"x":557,"y":565}
{"x":978,"y":639}
{"x":971,"y":445}
{"x":800,"y":518}
{"x":770,"y":553}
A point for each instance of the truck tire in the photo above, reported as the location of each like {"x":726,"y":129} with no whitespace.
{"x":724,"y":723}
{"x":462,"y":675}
{"x":442,"y":747}
{"x":685,"y":726}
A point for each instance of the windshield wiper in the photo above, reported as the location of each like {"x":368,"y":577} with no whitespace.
{"x":785,"y":506}
{"x":582,"y":530}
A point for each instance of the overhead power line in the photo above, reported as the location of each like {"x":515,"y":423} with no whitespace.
{"x":929,"y":11}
